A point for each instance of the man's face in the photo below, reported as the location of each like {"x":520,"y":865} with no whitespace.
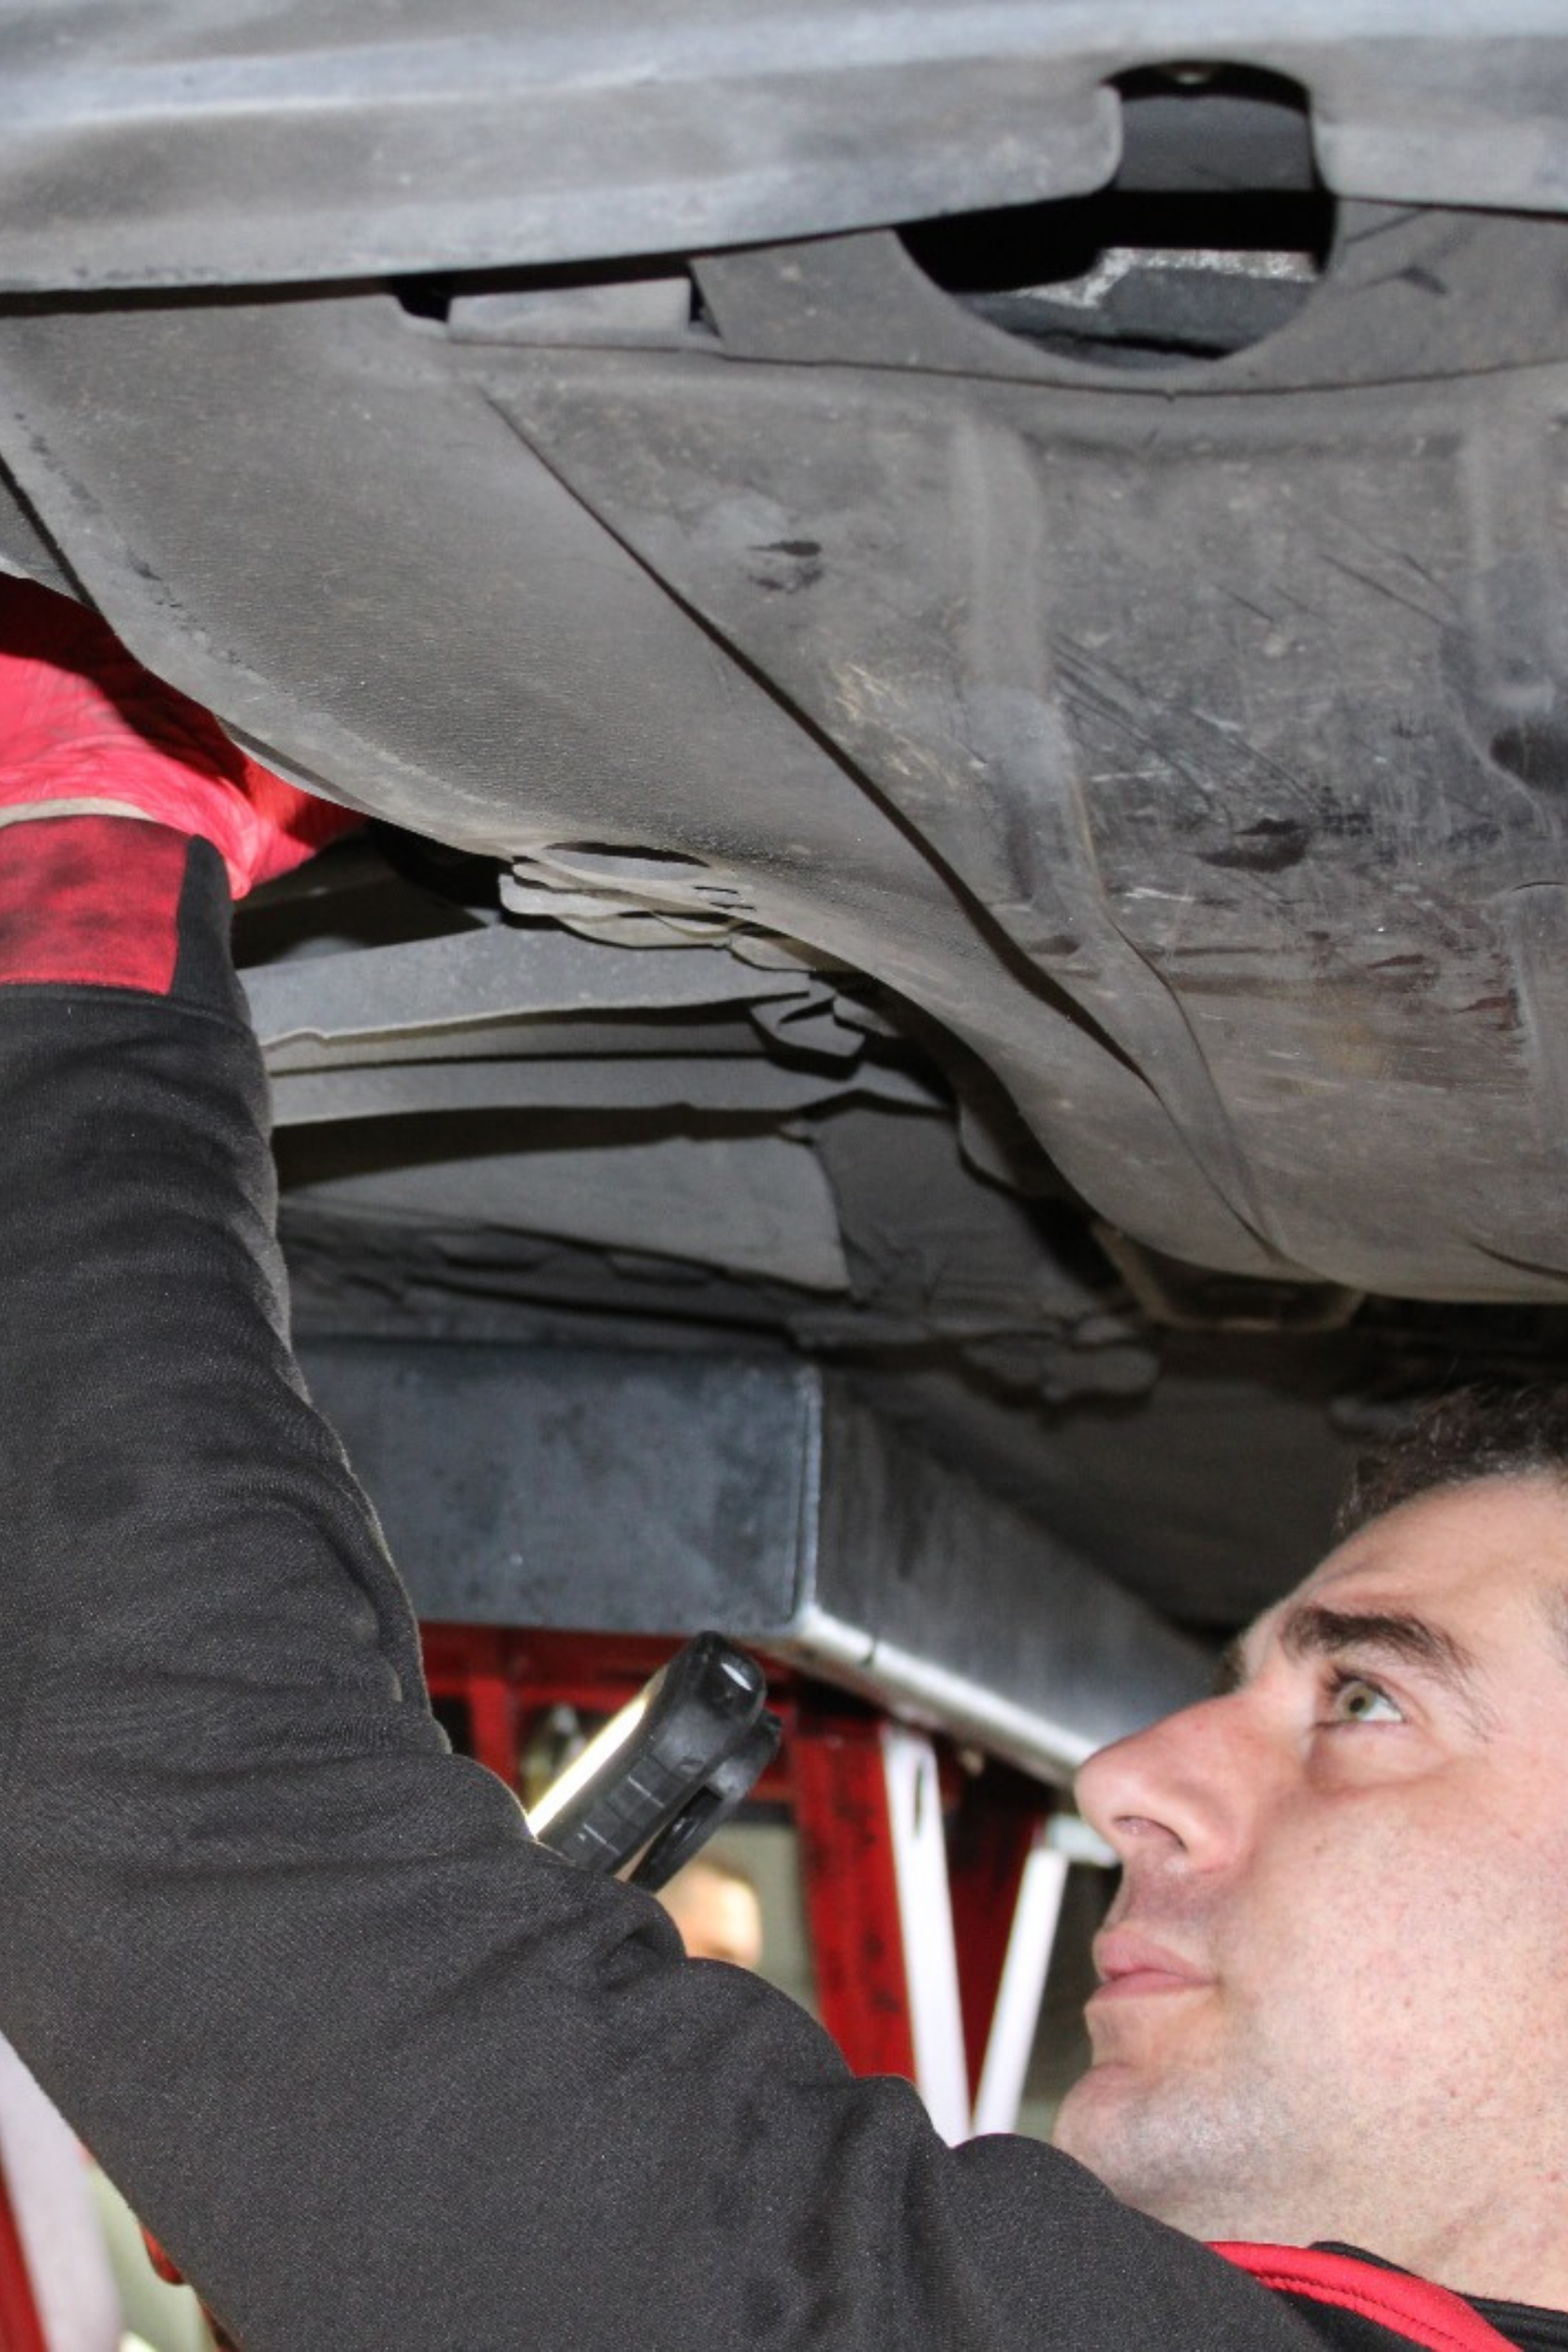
{"x":1335,"y":1996}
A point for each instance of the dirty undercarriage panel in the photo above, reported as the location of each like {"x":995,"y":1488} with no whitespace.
{"x":176,"y":144}
{"x":958,"y":620}
{"x":1187,"y":747}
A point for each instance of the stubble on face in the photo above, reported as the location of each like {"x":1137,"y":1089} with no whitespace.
{"x":1176,"y":2115}
{"x":1373,"y":2052}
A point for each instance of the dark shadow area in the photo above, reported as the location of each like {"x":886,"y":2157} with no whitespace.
{"x":1214,"y":235}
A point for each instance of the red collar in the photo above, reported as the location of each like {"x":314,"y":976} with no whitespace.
{"x":1424,"y":2314}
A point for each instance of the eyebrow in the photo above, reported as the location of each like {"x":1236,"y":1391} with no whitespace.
{"x":1311,"y":1630}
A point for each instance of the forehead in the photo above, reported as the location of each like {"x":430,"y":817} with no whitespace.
{"x":1487,"y":1562}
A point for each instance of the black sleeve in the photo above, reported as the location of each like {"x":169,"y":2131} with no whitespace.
{"x":383,"y":2074}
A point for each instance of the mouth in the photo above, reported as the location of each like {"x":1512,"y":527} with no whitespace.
{"x":1132,"y":1967}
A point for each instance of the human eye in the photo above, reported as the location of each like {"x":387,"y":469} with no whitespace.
{"x":1357,"y":1698}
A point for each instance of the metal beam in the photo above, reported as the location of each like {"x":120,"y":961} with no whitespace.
{"x":657,"y":1493}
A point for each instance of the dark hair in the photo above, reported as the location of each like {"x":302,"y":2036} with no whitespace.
{"x":1473,"y":1433}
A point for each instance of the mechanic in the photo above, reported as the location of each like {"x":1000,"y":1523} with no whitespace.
{"x":384,"y":2074}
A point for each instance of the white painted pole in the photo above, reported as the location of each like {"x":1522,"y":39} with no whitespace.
{"x":925,"y":1919}
{"x":46,"y":2178}
{"x":1016,"y":2017}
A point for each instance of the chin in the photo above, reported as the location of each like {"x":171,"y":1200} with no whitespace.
{"x":1090,"y":2121}
{"x":1157,"y":2155}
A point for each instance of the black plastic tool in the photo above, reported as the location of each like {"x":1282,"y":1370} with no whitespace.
{"x":653,"y":1785}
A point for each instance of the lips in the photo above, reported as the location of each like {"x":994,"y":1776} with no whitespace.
{"x":1132,"y":1966}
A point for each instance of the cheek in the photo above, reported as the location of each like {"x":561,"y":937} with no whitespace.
{"x":1370,"y":1933}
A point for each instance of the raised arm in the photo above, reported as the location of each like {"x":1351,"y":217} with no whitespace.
{"x":381,"y":2072}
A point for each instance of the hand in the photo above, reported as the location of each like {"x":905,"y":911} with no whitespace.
{"x":81,"y":723}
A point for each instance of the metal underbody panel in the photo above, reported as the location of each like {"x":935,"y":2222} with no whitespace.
{"x":977,"y":594}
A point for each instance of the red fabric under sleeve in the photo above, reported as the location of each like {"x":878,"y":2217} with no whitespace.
{"x":92,"y":900}
{"x":1423,"y":2314}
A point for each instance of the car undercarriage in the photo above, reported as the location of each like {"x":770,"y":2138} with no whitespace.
{"x":952,"y":623}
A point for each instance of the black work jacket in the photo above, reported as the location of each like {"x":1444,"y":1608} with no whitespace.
{"x":383,"y":2074}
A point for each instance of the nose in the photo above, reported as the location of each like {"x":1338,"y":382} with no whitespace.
{"x":1188,"y":1788}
